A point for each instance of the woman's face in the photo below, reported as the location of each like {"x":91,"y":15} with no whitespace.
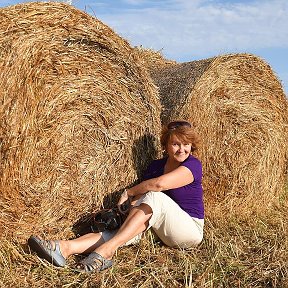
{"x":177,"y":150}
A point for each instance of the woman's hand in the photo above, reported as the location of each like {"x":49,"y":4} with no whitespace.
{"x":124,"y":202}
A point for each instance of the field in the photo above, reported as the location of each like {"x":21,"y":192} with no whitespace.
{"x":235,"y":252}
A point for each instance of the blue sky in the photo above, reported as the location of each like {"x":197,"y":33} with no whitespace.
{"x":188,"y":30}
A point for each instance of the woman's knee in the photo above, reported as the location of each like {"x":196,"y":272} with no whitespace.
{"x":158,"y":196}
{"x":146,"y":208}
{"x":142,"y":208}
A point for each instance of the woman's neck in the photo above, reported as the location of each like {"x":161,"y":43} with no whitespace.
{"x":170,"y":165}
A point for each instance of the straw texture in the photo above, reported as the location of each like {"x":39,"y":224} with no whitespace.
{"x":153,"y":59}
{"x":78,"y":116}
{"x":238,"y":106}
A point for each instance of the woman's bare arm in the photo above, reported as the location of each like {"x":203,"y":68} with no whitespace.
{"x":179,"y":177}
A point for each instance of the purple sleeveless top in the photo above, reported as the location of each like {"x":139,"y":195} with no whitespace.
{"x":188,"y":197}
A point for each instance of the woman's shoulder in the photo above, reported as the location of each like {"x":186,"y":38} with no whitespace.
{"x":194,"y":165}
{"x":192,"y":161}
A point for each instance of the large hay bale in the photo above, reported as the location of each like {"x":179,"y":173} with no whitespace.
{"x":153,"y":59}
{"x":78,"y":115}
{"x":239,"y":108}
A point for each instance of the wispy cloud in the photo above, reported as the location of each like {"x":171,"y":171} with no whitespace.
{"x":196,"y":27}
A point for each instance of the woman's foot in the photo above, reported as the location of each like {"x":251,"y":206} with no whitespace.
{"x":94,"y":262}
{"x":49,"y":250}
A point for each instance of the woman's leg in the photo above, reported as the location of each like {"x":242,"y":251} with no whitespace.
{"x":84,"y":244}
{"x":136,"y":222}
{"x":172,"y":225}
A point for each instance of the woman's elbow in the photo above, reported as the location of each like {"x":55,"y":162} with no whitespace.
{"x":159,"y":186}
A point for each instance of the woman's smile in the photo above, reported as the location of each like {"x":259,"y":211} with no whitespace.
{"x":178,"y":150}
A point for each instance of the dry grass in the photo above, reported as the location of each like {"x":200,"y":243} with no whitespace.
{"x":235,"y":252}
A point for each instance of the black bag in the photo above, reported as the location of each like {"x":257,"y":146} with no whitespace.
{"x":105,"y":219}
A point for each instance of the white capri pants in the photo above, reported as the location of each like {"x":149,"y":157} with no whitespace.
{"x":174,"y":226}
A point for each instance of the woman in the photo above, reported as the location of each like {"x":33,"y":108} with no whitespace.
{"x":169,"y":200}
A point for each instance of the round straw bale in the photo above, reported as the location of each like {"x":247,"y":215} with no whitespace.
{"x":153,"y":59}
{"x":238,"y":106}
{"x":79,"y":114}
{"x":175,"y":82}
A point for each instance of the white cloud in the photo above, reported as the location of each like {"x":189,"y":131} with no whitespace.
{"x":134,"y":2}
{"x":185,"y":26}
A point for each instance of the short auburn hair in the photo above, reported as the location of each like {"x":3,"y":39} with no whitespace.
{"x":183,"y":130}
